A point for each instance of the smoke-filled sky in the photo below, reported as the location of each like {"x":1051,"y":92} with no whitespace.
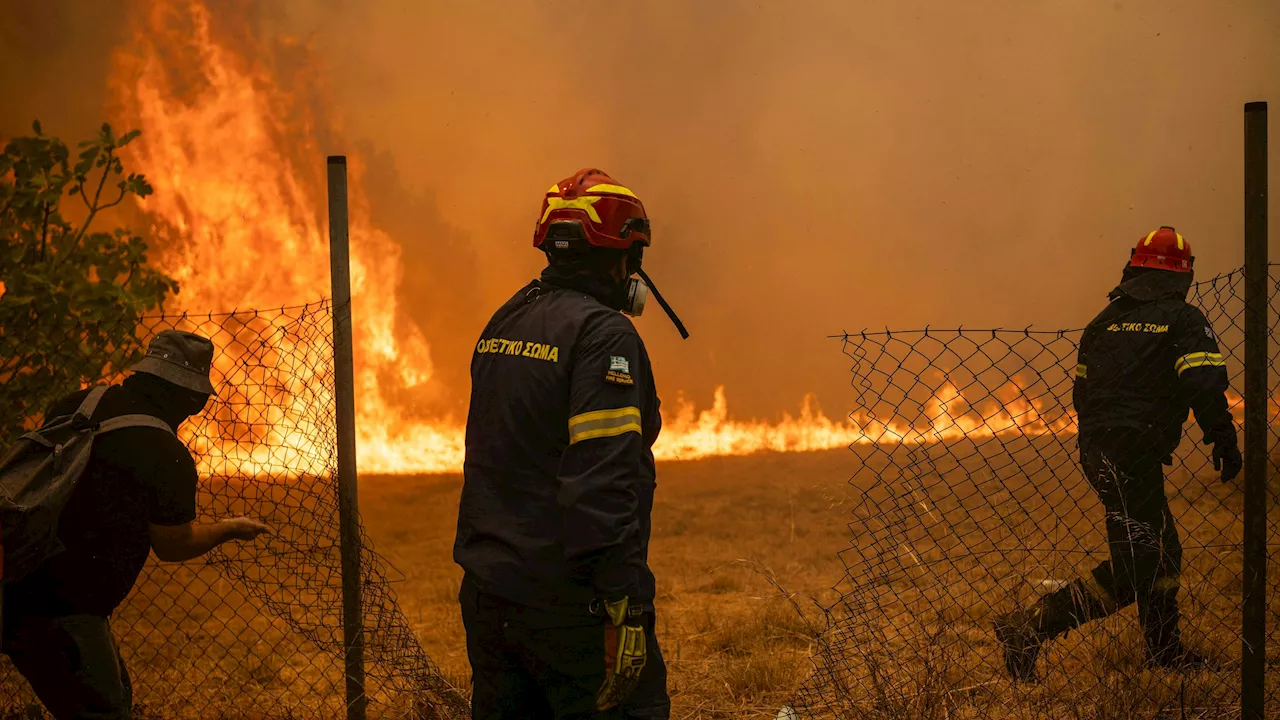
{"x":809,"y":166}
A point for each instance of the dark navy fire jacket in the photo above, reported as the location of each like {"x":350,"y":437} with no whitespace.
{"x":559,"y":475}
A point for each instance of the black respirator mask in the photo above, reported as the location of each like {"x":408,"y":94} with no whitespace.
{"x":568,"y":236}
{"x":638,"y":289}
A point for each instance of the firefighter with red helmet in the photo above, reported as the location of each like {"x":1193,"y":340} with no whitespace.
{"x":559,"y":476}
{"x":1144,"y":362}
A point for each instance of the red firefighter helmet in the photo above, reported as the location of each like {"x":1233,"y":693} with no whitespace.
{"x":589,"y":208}
{"x":1163,"y":249}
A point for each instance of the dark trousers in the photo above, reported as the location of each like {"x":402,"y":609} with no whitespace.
{"x":532,"y":665}
{"x":1146,"y":555}
{"x":72,"y":664}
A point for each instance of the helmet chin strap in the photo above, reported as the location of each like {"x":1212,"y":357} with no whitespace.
{"x":684,"y":334}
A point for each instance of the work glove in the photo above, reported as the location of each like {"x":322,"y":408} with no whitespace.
{"x":1227,"y":458}
{"x":624,"y":654}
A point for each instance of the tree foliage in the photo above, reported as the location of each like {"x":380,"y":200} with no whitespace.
{"x":70,"y":296}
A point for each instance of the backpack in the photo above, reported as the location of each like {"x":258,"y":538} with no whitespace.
{"x":37,"y":477}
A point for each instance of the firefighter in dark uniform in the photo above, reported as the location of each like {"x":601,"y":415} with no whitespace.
{"x":558,"y":481}
{"x":1146,"y":360}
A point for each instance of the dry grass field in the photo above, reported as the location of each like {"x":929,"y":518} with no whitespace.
{"x":978,"y":537}
{"x":976,"y":529}
{"x":735,"y":647}
{"x":973,"y":538}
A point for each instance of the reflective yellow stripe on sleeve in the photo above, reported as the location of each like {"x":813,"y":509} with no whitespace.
{"x":1081,"y":370}
{"x":604,"y":423}
{"x":1198,"y":359}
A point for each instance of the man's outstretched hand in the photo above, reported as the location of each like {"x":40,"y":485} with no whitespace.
{"x":179,"y":543}
{"x":1227,"y":458}
{"x":243,"y":528}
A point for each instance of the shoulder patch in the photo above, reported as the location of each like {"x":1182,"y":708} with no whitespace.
{"x":619,"y":372}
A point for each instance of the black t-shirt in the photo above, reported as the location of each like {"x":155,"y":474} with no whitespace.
{"x":136,"y":476}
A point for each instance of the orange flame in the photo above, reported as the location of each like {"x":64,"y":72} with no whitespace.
{"x":237,"y":221}
{"x":237,"y":218}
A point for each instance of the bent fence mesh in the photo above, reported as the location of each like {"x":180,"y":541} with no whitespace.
{"x":253,"y":629}
{"x":973,"y":504}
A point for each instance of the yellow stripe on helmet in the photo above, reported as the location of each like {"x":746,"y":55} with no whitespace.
{"x":555,"y":190}
{"x":614,"y":189}
{"x":1180,"y":243}
{"x":1149,"y":236}
{"x":581,"y":203}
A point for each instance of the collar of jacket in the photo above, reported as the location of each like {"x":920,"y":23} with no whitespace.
{"x":608,"y":292}
{"x":1153,"y":285}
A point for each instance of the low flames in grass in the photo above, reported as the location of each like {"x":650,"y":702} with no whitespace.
{"x":236,"y":217}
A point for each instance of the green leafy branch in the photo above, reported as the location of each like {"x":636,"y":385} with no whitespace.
{"x":72,"y":295}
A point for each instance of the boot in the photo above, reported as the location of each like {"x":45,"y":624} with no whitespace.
{"x":1020,"y":637}
{"x":1022,"y":633}
{"x":1160,"y":618}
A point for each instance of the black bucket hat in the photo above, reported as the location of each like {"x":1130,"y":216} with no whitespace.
{"x":181,"y":358}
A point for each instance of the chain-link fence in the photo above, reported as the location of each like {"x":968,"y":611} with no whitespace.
{"x":252,"y":629}
{"x":973,"y":505}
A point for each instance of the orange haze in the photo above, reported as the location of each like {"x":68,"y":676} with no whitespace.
{"x":809,"y":166}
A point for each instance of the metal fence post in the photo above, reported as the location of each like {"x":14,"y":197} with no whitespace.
{"x":345,"y":405}
{"x":1256,"y":391}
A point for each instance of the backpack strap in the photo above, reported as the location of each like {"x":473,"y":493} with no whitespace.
{"x":90,"y":404}
{"x":91,"y":401}
{"x":35,"y":437}
{"x":136,"y":420}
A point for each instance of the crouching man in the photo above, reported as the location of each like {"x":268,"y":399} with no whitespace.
{"x":138,"y":494}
